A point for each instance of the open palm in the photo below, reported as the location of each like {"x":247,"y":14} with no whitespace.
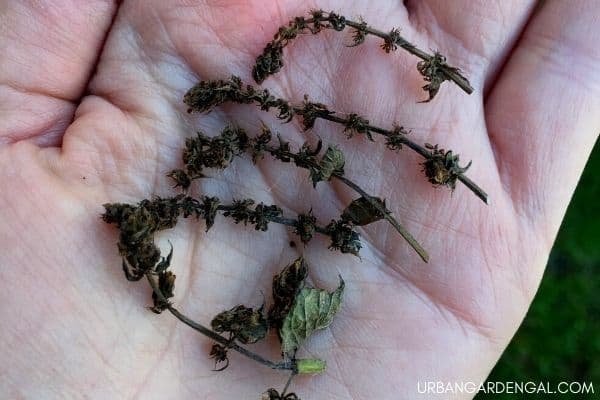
{"x":88,"y":121}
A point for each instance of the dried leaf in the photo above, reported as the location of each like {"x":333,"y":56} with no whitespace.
{"x":166,"y":285}
{"x":286,"y":286}
{"x":332,"y":162}
{"x":363,"y":212}
{"x":313,"y":309}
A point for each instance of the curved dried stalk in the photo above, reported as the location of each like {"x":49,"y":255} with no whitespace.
{"x":433,"y":67}
{"x":288,"y":365}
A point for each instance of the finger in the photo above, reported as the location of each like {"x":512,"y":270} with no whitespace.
{"x":543,"y":113}
{"x":49,"y":49}
{"x":486,"y":29}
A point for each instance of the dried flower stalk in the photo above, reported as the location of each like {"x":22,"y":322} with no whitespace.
{"x":433,"y":67}
{"x":138,"y":223}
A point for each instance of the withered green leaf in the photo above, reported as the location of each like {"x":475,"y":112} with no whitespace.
{"x":313,"y":309}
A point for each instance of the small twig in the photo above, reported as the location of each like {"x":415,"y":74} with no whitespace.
{"x":282,"y":365}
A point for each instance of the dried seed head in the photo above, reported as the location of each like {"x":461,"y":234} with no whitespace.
{"x":343,"y":237}
{"x":435,"y":71}
{"x":115,"y":213}
{"x":180,"y":178}
{"x":310,"y":112}
{"x":263,"y":214}
{"x":137,"y":226}
{"x":359,"y":34}
{"x":206,"y":95}
{"x":209,"y":208}
{"x":390,"y":43}
{"x":219,"y":353}
{"x":204,"y":152}
{"x":240,"y":211}
{"x":166,"y":285}
{"x":396,"y":138}
{"x":273,"y":394}
{"x":269,"y":62}
{"x":306,"y":227}
{"x":337,"y":22}
{"x":245,"y":324}
{"x":357,"y":124}
{"x":442,"y":167}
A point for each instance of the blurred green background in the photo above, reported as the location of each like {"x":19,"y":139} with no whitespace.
{"x":559,"y":339}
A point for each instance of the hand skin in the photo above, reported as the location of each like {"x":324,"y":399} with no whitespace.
{"x":90,"y":98}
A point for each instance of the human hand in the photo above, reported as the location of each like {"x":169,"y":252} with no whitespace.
{"x":87,"y":122}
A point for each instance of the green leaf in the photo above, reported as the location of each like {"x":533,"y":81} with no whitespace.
{"x":313,"y":309}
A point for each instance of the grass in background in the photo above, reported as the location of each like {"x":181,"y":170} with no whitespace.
{"x":560,"y":337}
